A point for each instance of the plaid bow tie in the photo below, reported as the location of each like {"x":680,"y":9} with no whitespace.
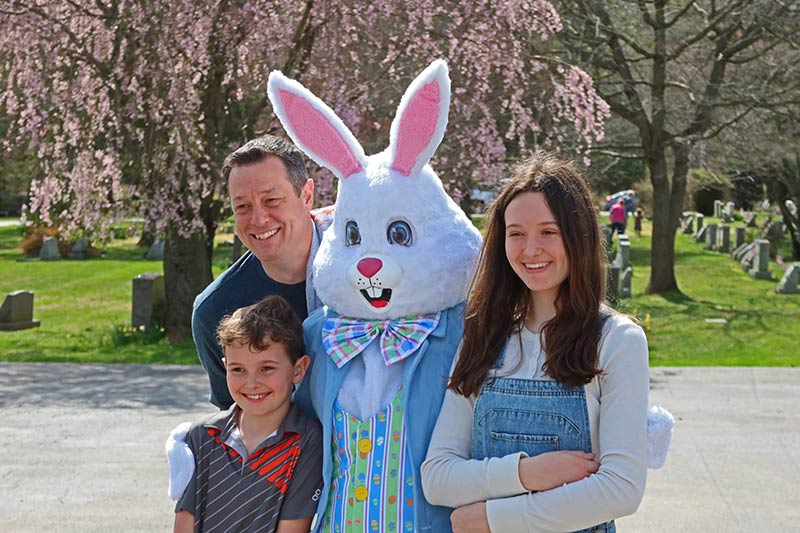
{"x":344,"y":338}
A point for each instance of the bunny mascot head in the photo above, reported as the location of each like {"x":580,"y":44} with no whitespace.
{"x":399,"y":245}
{"x":392,"y":271}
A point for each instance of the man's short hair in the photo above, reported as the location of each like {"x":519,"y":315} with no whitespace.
{"x":265,"y":147}
{"x":271,"y":320}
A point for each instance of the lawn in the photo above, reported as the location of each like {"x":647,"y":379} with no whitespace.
{"x":760,"y":328}
{"x":84,"y":306}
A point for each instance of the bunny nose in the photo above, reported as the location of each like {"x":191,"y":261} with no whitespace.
{"x":369,"y":266}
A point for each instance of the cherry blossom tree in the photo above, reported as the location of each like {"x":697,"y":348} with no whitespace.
{"x":131,"y":106}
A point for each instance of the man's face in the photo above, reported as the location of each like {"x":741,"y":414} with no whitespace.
{"x":269,"y":216}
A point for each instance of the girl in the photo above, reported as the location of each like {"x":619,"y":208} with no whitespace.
{"x":547,"y":378}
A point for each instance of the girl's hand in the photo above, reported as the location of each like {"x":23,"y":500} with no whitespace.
{"x":470,"y":519}
{"x":549,"y":470}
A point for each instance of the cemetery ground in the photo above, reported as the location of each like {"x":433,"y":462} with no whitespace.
{"x":85,"y":308}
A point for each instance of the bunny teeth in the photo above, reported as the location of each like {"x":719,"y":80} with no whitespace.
{"x":380,"y":300}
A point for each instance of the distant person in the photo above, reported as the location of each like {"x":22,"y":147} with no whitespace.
{"x":258,"y":465}
{"x":543,"y":424}
{"x":618,"y":216}
{"x":271,"y":196}
{"x":638,"y":216}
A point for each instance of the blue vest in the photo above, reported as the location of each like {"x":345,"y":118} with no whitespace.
{"x":424,"y":381}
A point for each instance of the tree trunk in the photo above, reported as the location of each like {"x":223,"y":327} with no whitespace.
{"x":662,"y":250}
{"x":187,"y":271}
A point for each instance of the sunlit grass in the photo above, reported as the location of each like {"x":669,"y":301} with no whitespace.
{"x":84,"y":306}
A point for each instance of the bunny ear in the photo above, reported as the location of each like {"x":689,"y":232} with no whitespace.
{"x":314,"y":127}
{"x":421,"y":118}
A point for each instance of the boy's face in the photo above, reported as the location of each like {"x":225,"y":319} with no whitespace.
{"x":261,"y":383}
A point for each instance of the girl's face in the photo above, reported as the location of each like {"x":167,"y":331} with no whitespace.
{"x":534,"y":245}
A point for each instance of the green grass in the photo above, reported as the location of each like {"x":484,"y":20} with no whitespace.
{"x":80,"y":304}
{"x":83,"y":306}
{"x":762,"y":328}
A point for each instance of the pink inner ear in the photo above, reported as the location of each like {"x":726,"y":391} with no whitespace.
{"x":316,"y":133}
{"x":416,"y":128}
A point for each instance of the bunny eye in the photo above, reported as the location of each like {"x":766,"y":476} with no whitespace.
{"x":352,"y":236}
{"x":399,"y":232}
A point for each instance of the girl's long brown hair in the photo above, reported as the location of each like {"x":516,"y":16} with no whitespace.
{"x":500,"y":301}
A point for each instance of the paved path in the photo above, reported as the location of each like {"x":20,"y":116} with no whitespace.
{"x":83,"y":448}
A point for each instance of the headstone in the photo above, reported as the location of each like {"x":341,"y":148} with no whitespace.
{"x":148,"y":302}
{"x":738,"y":252}
{"x":623,"y":259}
{"x":740,"y":236}
{"x":79,"y":249}
{"x":17,"y":312}
{"x":788,"y":283}
{"x":49,"y":251}
{"x":612,"y":290}
{"x":688,"y":225}
{"x":724,"y":239}
{"x":718,"y":209}
{"x":711,"y":237}
{"x":605,"y":231}
{"x":699,"y":218}
{"x":750,"y":220}
{"x":156,"y":251}
{"x":748,"y":256}
{"x":728,"y":215}
{"x":700,"y":236}
{"x":625,"y":283}
{"x":760,"y":268}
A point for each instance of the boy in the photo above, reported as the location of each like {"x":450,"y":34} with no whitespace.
{"x":258,"y":465}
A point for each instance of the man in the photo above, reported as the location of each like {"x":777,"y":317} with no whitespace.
{"x":271,"y":196}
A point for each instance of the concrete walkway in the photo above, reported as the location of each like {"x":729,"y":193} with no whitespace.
{"x":83,"y":448}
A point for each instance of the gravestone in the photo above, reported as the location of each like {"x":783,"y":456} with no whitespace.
{"x":623,"y":259}
{"x":612,"y":289}
{"x":700,"y":236}
{"x":17,"y":312}
{"x":699,"y":218}
{"x":750,"y":220}
{"x":738,"y":252}
{"x":760,"y":268}
{"x":148,"y":301}
{"x":625,"y":283}
{"x":711,"y":237}
{"x":728,"y":214}
{"x":748,"y":256}
{"x":605,"y":231}
{"x":718,"y":209}
{"x":724,"y":239}
{"x":79,"y":249}
{"x":788,"y":283}
{"x":687,"y":224}
{"x":49,"y":251}
{"x":740,"y":236}
{"x":156,"y":251}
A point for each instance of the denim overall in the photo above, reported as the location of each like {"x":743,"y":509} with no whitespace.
{"x":533,"y":416}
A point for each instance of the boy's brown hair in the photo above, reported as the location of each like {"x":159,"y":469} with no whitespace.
{"x":271,"y":320}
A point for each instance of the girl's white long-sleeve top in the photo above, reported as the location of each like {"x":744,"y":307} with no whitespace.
{"x":616,"y":402}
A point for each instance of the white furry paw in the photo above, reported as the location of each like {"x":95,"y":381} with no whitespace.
{"x":181,"y":460}
{"x":659,"y":435}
